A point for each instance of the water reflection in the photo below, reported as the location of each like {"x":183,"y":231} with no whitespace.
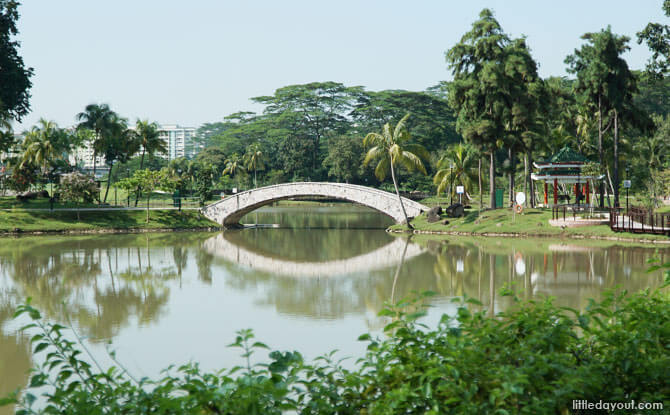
{"x":228,"y":247}
{"x":100,"y":284}
{"x":97,"y":284}
{"x":570,"y":272}
{"x":167,"y":298}
{"x":14,"y":353}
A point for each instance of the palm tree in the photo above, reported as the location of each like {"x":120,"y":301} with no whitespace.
{"x":254,"y":159}
{"x":391,"y":148}
{"x":119,"y":144}
{"x":234,"y":167}
{"x":148,"y":137}
{"x":43,"y":146}
{"x":456,"y":166}
{"x":99,"y":118}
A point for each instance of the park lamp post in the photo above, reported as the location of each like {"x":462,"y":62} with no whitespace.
{"x":127,"y":192}
{"x":451,"y":185}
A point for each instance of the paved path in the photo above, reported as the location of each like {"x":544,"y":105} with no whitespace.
{"x":89,"y":209}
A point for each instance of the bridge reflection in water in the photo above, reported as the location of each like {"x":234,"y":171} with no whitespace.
{"x":387,"y":256}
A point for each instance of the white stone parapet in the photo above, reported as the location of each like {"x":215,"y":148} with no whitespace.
{"x":230,"y":210}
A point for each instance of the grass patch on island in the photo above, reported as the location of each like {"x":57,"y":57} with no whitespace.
{"x":532,"y":222}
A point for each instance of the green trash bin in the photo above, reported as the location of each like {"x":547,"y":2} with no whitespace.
{"x":499,"y":197}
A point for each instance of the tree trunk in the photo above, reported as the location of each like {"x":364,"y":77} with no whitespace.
{"x":255,"y":182}
{"x":109,"y":181}
{"x":397,"y":191}
{"x":95,"y":153}
{"x":512,"y":168}
{"x":148,"y":199}
{"x":526,"y":178}
{"x":492,"y":180}
{"x":479,"y":178}
{"x":653,"y":186}
{"x":530,"y":179}
{"x":594,"y":198}
{"x":616,"y":159}
{"x":611,"y":191}
{"x":600,"y":149}
{"x":139,"y":188}
{"x":94,"y":166}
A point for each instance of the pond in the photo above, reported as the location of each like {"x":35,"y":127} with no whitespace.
{"x":313,"y":282}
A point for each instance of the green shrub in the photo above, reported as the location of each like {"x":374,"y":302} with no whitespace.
{"x":535,"y":358}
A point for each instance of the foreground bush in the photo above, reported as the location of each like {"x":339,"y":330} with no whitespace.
{"x":534,"y":359}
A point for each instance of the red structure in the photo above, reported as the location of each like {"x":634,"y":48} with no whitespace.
{"x":565,"y":168}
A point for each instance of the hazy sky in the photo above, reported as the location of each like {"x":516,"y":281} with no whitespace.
{"x":190,"y":62}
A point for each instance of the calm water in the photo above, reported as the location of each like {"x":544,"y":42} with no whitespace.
{"x":313,"y":284}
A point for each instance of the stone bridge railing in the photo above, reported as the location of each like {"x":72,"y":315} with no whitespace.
{"x":230,"y":210}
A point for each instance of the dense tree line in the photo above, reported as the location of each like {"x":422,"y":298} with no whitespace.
{"x":314,"y":131}
{"x":496,"y":114}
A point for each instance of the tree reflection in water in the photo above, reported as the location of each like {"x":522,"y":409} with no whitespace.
{"x":477,"y":268}
{"x":14,"y":352}
{"x":66,"y":279}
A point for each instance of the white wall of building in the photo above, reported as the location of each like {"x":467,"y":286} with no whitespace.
{"x":180,"y":142}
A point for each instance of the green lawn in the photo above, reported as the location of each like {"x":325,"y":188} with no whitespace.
{"x":10,"y":202}
{"x":157,"y":200}
{"x":532,"y":222}
{"x":25,"y":221}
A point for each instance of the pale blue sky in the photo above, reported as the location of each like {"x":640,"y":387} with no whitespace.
{"x":191,"y":62}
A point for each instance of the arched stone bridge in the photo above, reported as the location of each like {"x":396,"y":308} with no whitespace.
{"x":230,"y":210}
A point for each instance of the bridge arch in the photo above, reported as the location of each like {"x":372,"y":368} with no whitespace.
{"x":230,"y":210}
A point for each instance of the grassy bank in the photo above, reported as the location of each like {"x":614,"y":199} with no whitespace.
{"x":66,"y":221}
{"x":532,"y":222}
{"x":157,"y":200}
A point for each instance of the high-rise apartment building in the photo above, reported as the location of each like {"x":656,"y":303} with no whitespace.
{"x":83,"y":157}
{"x":180,"y":141}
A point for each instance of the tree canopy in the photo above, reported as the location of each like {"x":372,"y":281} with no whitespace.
{"x":657,"y":38}
{"x":15,"y":77}
{"x":483,"y":93}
